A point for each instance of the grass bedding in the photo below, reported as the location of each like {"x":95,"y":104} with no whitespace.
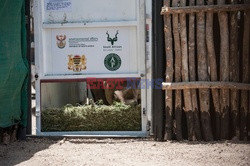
{"x":93,"y":117}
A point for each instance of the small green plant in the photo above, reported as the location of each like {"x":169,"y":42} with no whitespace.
{"x":93,"y":117}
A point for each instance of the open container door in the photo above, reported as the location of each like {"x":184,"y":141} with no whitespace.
{"x":78,"y":40}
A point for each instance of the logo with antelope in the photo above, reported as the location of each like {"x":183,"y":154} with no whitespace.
{"x":112,"y":40}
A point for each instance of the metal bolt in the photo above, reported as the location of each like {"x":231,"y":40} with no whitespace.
{"x":36,"y":76}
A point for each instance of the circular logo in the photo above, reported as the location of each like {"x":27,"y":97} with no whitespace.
{"x":112,"y":62}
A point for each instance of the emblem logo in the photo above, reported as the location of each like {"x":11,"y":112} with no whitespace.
{"x":112,"y":62}
{"x":77,"y":63}
{"x":112,"y":40}
{"x":61,"y":43}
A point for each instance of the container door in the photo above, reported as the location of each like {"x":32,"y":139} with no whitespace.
{"x":80,"y":40}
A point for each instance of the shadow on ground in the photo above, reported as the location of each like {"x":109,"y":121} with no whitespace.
{"x":20,"y":151}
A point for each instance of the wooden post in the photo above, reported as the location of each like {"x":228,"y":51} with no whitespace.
{"x":224,"y":71}
{"x":178,"y":93}
{"x":234,"y":70}
{"x":248,"y":120}
{"x":204,"y":94}
{"x":213,"y":68}
{"x":245,"y":77}
{"x":185,"y":74}
{"x":192,"y":70}
{"x":169,"y":73}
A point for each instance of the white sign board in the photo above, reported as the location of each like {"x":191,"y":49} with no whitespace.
{"x":58,"y":5}
{"x":92,"y":51}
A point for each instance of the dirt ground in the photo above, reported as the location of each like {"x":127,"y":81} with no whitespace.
{"x":137,"y":152}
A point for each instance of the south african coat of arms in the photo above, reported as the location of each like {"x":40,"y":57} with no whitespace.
{"x":77,"y":63}
{"x":61,"y":43}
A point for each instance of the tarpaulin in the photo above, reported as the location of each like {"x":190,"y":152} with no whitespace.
{"x":13,"y":64}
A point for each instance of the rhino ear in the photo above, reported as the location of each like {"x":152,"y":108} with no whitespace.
{"x":57,"y":37}
{"x":64,"y":37}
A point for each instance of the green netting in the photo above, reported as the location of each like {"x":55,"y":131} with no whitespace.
{"x":13,"y":63}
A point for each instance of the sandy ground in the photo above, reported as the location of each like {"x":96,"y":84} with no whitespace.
{"x":121,"y":152}
{"x":137,"y":152}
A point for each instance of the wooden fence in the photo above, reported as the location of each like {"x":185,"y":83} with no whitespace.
{"x":207,"y":69}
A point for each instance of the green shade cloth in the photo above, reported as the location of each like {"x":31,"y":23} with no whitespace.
{"x":13,"y":64}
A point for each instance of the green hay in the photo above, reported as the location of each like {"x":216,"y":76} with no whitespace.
{"x":94,"y":117}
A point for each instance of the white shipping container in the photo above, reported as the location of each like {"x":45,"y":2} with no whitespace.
{"x":80,"y":39}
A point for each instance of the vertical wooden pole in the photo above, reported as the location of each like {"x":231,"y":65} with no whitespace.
{"x":234,"y":70}
{"x":169,"y":73}
{"x":185,"y":74}
{"x":245,"y":77}
{"x":224,"y":71}
{"x":248,"y":119}
{"x":192,"y":70}
{"x":204,"y":94}
{"x":178,"y":93}
{"x":213,"y":67}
